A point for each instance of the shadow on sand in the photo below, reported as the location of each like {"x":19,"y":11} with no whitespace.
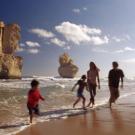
{"x":51,"y":115}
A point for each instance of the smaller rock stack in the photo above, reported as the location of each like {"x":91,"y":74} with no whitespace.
{"x":67,"y":69}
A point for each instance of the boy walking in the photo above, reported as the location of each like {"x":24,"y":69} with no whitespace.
{"x":33,"y":99}
{"x":115,"y":76}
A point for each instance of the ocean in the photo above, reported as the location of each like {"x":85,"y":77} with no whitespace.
{"x":58,"y":100}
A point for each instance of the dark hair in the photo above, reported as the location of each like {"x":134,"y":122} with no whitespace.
{"x":34,"y":83}
{"x":115,"y":63}
{"x":94,"y":65}
{"x":83,"y":77}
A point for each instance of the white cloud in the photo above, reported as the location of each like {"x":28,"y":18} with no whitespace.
{"x":125,"y":50}
{"x":72,"y":32}
{"x":129,"y":49}
{"x":58,"y":42}
{"x":81,"y":34}
{"x":88,"y":30}
{"x":132,"y":60}
{"x":22,"y":44}
{"x":67,"y":48}
{"x":85,"y":8}
{"x":42,"y":33}
{"x":98,"y":41}
{"x":122,"y":38}
{"x":119,"y":51}
{"x":32,"y":44}
{"x":76,"y":10}
{"x":33,"y":51}
{"x":128,"y":37}
{"x":116,"y":39}
{"x":99,"y":50}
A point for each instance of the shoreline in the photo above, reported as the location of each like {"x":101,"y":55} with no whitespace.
{"x":101,"y":120}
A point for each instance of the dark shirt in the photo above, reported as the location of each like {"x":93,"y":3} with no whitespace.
{"x":114,"y":77}
{"x":82,"y":85}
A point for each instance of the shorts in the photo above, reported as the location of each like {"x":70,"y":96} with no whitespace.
{"x":80,"y":95}
{"x":33,"y":109}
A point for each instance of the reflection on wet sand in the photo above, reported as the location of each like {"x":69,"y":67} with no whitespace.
{"x":104,"y":121}
{"x":95,"y":120}
{"x":118,"y":123}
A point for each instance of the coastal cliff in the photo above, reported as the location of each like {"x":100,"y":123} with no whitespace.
{"x":10,"y":65}
{"x":67,"y":68}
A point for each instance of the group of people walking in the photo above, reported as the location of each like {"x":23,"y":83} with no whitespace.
{"x":92,"y":81}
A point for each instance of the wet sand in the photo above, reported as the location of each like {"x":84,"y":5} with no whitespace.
{"x":120,"y":120}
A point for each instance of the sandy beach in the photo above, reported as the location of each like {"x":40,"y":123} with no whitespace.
{"x":119,"y":120}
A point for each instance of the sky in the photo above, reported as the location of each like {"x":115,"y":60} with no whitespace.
{"x":88,"y":30}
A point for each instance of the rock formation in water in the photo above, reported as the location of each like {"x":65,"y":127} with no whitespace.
{"x":67,"y":69}
{"x":10,"y":65}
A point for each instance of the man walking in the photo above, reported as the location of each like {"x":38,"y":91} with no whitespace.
{"x":115,"y":76}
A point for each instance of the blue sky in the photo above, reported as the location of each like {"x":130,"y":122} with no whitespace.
{"x":89,"y":30}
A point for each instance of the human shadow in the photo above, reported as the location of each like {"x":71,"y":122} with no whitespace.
{"x":6,"y":126}
{"x":57,"y":114}
{"x":64,"y":112}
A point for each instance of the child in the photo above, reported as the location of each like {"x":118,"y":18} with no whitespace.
{"x":82,"y":84}
{"x":33,"y":98}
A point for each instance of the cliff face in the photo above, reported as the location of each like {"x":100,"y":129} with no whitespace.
{"x":11,"y":37}
{"x":10,"y":65}
{"x":67,"y":69}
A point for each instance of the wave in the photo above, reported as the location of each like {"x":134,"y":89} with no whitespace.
{"x":21,"y":120}
{"x":48,"y":81}
{"x":44,"y":82}
{"x":63,"y":113}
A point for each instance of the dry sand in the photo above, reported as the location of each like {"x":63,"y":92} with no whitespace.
{"x":120,"y":120}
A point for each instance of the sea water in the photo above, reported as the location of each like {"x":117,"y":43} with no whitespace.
{"x":58,"y":100}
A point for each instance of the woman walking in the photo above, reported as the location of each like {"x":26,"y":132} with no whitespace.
{"x":92,"y":79}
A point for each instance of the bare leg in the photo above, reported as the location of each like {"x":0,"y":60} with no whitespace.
{"x":76,"y":102}
{"x":31,"y":117}
{"x":83,"y":101}
{"x":110,"y":103}
{"x":89,"y":103}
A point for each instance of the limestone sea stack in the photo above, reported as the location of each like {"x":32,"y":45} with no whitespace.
{"x":67,"y":68}
{"x":10,"y":65}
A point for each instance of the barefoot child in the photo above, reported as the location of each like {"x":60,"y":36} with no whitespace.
{"x":82,"y":84}
{"x":33,"y":99}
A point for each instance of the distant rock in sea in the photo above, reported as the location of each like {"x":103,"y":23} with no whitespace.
{"x":10,"y":65}
{"x":67,"y":69}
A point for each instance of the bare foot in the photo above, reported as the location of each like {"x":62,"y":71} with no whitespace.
{"x":84,"y":108}
{"x":88,"y":105}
